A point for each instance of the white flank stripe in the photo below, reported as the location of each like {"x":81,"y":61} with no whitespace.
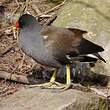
{"x":92,"y":56}
{"x":68,"y":57}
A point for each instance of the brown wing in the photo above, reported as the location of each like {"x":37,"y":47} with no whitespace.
{"x":68,"y":41}
{"x":62,"y":38}
{"x":61,"y":41}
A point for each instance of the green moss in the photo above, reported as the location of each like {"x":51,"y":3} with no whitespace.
{"x":104,"y":104}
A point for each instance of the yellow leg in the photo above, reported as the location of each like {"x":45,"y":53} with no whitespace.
{"x":56,"y":85}
{"x":68,"y":79}
{"x":53,"y":77}
{"x":51,"y":84}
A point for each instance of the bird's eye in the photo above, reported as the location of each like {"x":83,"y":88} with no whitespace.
{"x":21,"y":21}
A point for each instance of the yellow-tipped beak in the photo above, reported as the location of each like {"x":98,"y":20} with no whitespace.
{"x":15,"y":32}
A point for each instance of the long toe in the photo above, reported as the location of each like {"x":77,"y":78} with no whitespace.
{"x":48,"y":84}
{"x":58,"y":86}
{"x":67,"y":86}
{"x":53,"y":85}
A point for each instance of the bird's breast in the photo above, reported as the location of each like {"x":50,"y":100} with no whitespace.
{"x":40,"y":54}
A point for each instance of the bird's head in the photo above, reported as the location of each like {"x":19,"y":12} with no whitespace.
{"x":26,"y":20}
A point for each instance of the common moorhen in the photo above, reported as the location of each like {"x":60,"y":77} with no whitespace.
{"x":55,"y":46}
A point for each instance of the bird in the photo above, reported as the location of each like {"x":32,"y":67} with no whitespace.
{"x":55,"y":47}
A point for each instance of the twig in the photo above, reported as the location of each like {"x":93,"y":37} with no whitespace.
{"x":54,"y":8}
{"x":14,"y":77}
{"x":21,"y":3}
{"x":17,"y":2}
{"x":50,"y":21}
{"x":6,"y":51}
{"x":35,"y":8}
{"x":7,"y":77}
{"x":99,"y":92}
{"x":22,"y":61}
{"x":14,"y":11}
{"x":26,"y":5}
{"x":10,"y":77}
{"x":46,"y":16}
{"x":3,"y":29}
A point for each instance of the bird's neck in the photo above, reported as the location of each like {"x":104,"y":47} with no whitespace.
{"x":32,"y":38}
